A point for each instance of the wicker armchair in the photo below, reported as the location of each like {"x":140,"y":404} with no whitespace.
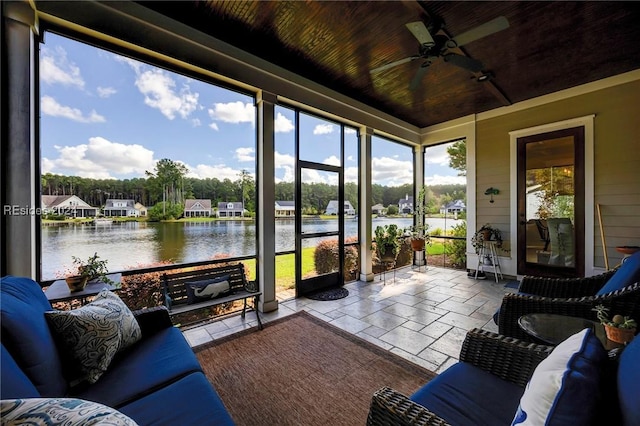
{"x":507,"y":358}
{"x":624,"y":302}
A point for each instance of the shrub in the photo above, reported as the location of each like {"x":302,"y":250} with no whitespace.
{"x":326,"y":258}
{"x":143,"y":290}
{"x":457,"y":249}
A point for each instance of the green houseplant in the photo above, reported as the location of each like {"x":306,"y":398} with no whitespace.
{"x":418,"y":232}
{"x":87,"y":270}
{"x":619,"y":329}
{"x":486,"y":233}
{"x":387,"y":243}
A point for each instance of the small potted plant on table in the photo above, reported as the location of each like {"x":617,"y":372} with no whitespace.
{"x":619,"y":329}
{"x":84,"y":271}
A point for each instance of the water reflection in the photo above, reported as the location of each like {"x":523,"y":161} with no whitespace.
{"x":131,"y":244}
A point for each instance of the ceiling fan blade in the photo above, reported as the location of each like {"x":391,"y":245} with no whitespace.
{"x":498,"y":24}
{"x":417,"y":79}
{"x":393,"y":64}
{"x":420,"y":32}
{"x":464,"y":62}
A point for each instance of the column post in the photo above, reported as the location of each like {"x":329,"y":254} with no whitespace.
{"x":265,"y":214}
{"x":366,"y":254}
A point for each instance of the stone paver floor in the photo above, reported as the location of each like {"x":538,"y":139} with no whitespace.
{"x":421,"y":314}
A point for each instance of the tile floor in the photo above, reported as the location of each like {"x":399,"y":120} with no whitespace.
{"x":421,"y":315}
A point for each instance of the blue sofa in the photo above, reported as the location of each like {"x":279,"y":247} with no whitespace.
{"x":158,"y":380}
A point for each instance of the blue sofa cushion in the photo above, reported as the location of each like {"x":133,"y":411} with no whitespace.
{"x":629,"y":383}
{"x":60,"y":411}
{"x":628,"y":273}
{"x":565,"y":387}
{"x":466,"y":395}
{"x":13,"y":382}
{"x":194,"y":399}
{"x":151,"y":363}
{"x":26,"y":334}
{"x":94,"y":333}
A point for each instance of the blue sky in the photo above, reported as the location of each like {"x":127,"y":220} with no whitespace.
{"x":107,"y":116}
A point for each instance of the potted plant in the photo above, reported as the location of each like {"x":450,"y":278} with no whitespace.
{"x":418,"y":232}
{"x":84,"y":271}
{"x":387,"y":244}
{"x":619,"y":329}
{"x":486,"y":233}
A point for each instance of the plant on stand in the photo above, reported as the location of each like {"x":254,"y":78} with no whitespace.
{"x":486,"y":233}
{"x":418,"y":231}
{"x":619,"y":329}
{"x":387,"y":244}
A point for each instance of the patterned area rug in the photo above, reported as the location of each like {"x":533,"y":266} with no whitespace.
{"x":301,"y":370}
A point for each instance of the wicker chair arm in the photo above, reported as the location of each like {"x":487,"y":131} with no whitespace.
{"x":152,"y":320}
{"x":506,"y":357}
{"x":564,"y":287}
{"x":391,"y":408}
{"x":624,"y":302}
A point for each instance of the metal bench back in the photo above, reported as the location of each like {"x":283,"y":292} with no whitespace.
{"x":174,"y":284}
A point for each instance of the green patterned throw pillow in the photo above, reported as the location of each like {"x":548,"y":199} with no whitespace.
{"x":94,"y":333}
{"x":60,"y":411}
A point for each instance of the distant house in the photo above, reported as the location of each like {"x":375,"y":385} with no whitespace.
{"x":285,"y":208}
{"x":142,"y":209}
{"x":68,"y":205}
{"x":456,"y":206}
{"x":377,"y":209}
{"x":121,"y":208}
{"x":332,"y":208}
{"x":197,"y":208}
{"x":230,"y":209}
{"x":405,"y":205}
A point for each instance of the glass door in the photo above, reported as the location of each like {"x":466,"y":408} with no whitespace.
{"x":319,"y":225}
{"x":551,"y":204}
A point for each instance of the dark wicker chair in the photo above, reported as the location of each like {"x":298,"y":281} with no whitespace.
{"x":625,"y":302}
{"x":508,"y":358}
{"x":564,"y":287}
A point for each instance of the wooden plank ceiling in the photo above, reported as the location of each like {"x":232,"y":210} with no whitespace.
{"x":549,"y":46}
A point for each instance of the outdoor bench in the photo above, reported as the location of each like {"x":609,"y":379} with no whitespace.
{"x":204,"y":288}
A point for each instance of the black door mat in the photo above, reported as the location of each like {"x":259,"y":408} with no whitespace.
{"x":334,"y":293}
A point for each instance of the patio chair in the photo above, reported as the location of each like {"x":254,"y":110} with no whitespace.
{"x":500,"y":379}
{"x":619,"y":290}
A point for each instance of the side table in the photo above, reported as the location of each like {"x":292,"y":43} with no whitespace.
{"x":553,"y":329}
{"x":59,"y":291}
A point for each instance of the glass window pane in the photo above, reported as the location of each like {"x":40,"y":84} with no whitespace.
{"x":319,"y":140}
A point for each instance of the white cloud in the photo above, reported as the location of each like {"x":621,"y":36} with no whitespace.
{"x":49,"y":106}
{"x":333,"y":161}
{"x":218,"y":171}
{"x":196,"y":122}
{"x":159,"y":91}
{"x":233,"y":112}
{"x":105,"y":92}
{"x":100,"y":159}
{"x":445,"y":180}
{"x":283,"y":124}
{"x":349,"y":131}
{"x":55,"y":68}
{"x":391,"y":172}
{"x":323,"y":129}
{"x":437,"y":155}
{"x":284,"y":162}
{"x":214,"y":126}
{"x":245,"y":154}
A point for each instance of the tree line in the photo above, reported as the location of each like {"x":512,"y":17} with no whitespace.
{"x":168,"y":185}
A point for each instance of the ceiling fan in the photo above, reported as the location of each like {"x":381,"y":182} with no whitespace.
{"x":435,"y":44}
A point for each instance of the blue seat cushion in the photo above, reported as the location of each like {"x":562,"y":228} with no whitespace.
{"x":26,"y":334}
{"x":189,"y":401}
{"x":629,"y":383}
{"x":466,"y":395}
{"x":147,"y":365}
{"x":628,"y":273}
{"x":13,"y":382}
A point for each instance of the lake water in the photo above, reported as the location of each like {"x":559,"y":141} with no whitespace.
{"x":128,"y":245}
